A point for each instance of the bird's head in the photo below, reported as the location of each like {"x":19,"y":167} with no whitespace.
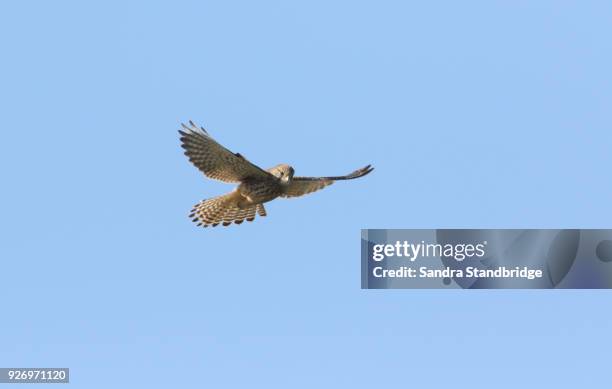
{"x":283,"y":172}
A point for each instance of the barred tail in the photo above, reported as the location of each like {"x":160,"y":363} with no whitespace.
{"x":224,"y":210}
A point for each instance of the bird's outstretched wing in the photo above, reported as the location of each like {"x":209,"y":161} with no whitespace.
{"x":304,"y":185}
{"x":214,"y":160}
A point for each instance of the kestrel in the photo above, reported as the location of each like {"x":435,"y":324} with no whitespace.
{"x":256,"y":186}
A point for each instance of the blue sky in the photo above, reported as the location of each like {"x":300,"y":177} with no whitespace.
{"x":474,"y":113}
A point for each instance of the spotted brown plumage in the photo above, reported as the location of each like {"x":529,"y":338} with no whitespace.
{"x":256,"y":185}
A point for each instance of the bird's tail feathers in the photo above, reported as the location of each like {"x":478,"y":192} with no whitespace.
{"x":225,"y":210}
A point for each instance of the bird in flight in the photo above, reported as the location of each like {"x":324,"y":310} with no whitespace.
{"x":256,"y":185}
